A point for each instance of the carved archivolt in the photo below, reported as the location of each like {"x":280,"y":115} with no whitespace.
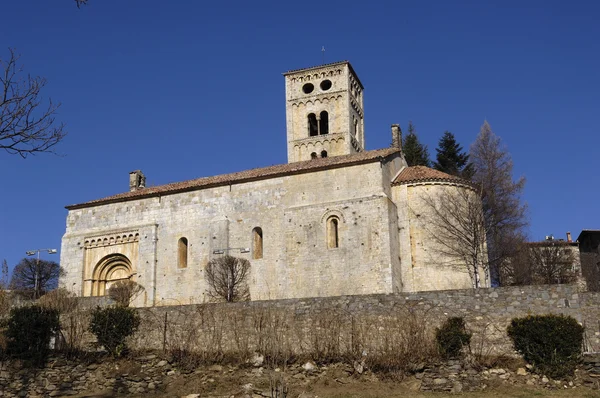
{"x":112,"y":239}
{"x":111,"y":269}
{"x":333,"y":212}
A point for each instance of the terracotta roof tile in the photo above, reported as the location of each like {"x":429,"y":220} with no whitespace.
{"x":425,"y":174}
{"x":245,"y":176}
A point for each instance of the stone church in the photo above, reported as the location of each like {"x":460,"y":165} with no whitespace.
{"x":335,"y":220}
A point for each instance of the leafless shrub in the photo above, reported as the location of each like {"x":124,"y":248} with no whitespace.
{"x":325,"y":335}
{"x":227,"y":278}
{"x":272,"y":331}
{"x":60,"y":300}
{"x":397,"y":341}
{"x":124,"y":292}
{"x":402,"y":342}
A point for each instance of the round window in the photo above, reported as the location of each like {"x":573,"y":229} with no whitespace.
{"x":326,"y":85}
{"x":308,"y":88}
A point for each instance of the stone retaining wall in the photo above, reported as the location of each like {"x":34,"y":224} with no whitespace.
{"x":487,"y":313}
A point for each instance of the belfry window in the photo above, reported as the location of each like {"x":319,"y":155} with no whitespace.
{"x":257,"y":243}
{"x":182,"y":253}
{"x":324,"y":123}
{"x":333,"y":238}
{"x":323,"y":154}
{"x":313,"y":155}
{"x":313,"y":126}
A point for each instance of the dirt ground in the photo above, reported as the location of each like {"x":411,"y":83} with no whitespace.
{"x":339,"y":385}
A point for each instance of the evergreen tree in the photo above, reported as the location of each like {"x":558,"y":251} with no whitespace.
{"x":451,"y":159}
{"x":415,"y":153}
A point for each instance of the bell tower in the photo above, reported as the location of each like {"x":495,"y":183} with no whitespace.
{"x":324,"y":112}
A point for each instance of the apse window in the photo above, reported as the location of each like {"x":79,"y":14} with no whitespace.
{"x":182,"y":249}
{"x":333,"y":238}
{"x":308,"y":88}
{"x":257,"y":243}
{"x":326,"y":85}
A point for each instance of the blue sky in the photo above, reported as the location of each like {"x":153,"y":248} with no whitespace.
{"x":187,"y":89}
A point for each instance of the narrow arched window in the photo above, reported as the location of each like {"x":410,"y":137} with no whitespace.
{"x":313,"y":155}
{"x":182,"y":253}
{"x":313,"y":128}
{"x":323,"y":154}
{"x":333,"y":238}
{"x":324,"y":123}
{"x":257,"y":243}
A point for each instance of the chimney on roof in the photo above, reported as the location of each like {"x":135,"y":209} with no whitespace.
{"x":137,"y":180}
{"x":396,"y":136}
{"x":569,"y":239}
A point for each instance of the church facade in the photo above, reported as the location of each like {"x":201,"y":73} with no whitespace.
{"x":335,"y":220}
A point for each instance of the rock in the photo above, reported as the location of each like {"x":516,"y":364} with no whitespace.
{"x":257,"y":360}
{"x":170,"y":373}
{"x":151,"y":386}
{"x":440,"y":381}
{"x":457,"y":387}
{"x":247,"y":387}
{"x":162,"y":363}
{"x":413,"y":384}
{"x":215,"y":368}
{"x":309,"y":366}
{"x":545,"y":379}
{"x":522,"y":372}
{"x":359,"y":367}
{"x":191,"y":396}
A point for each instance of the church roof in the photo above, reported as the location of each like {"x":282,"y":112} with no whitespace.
{"x":280,"y":170}
{"x":425,"y":174}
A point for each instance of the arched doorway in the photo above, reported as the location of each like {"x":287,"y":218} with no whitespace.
{"x":109,"y":270}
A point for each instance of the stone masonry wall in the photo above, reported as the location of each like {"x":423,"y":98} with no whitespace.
{"x":292,"y":212}
{"x":299,"y":324}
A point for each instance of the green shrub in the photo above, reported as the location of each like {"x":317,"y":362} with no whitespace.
{"x":112,"y":325}
{"x":551,"y":343}
{"x":451,"y":337}
{"x":28,"y":332}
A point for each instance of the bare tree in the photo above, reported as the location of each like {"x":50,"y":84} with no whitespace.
{"x":455,"y":220}
{"x":35,"y":277}
{"x":4,"y":275}
{"x":26,"y":126}
{"x":227,"y":278}
{"x":124,"y":292}
{"x":551,"y":262}
{"x":505,"y":215}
